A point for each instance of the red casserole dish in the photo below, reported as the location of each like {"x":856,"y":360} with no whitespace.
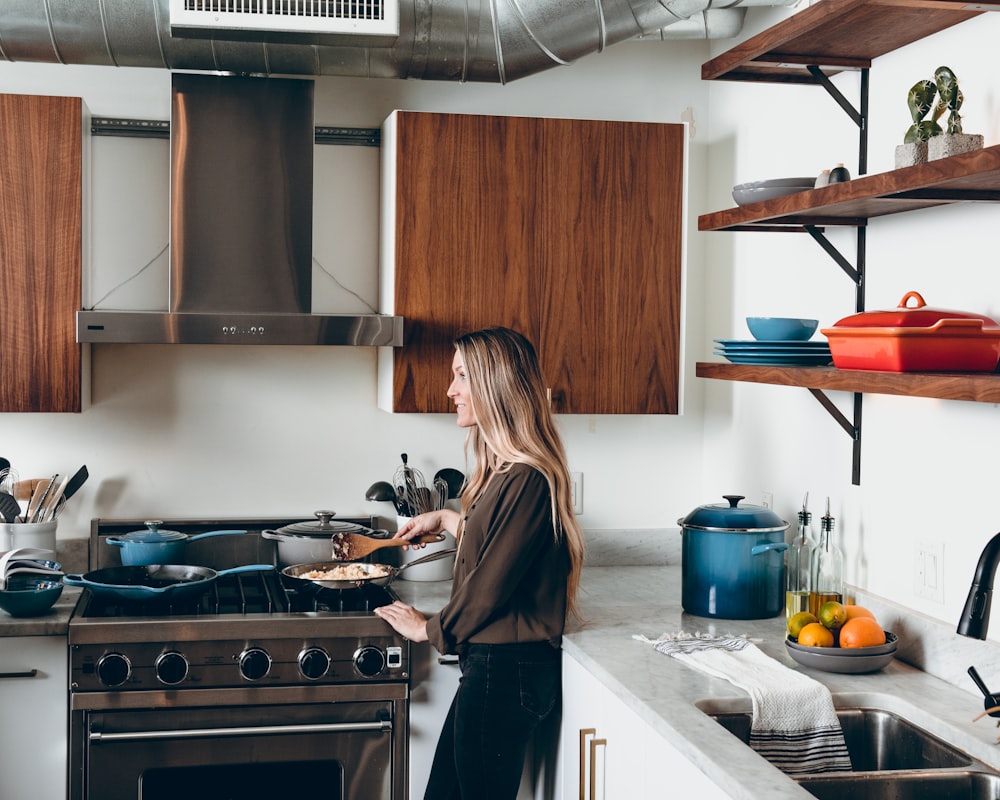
{"x":915,"y":338}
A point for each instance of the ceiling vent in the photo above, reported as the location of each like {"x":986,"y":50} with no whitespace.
{"x":293,"y":21}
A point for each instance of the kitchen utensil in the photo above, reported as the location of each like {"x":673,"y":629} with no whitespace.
{"x":915,"y":338}
{"x":38,"y":499}
{"x":454,"y":478}
{"x":156,"y":546}
{"x":411,"y":488}
{"x":732,"y":561}
{"x":381,"y":492}
{"x":855,"y":660}
{"x":308,"y":541}
{"x":169,"y":582}
{"x":378,"y":574}
{"x":75,"y":482}
{"x":990,"y":699}
{"x":440,"y":493}
{"x":352,"y":546}
{"x":10,"y":509}
{"x":781,"y":328}
{"x":47,"y":512}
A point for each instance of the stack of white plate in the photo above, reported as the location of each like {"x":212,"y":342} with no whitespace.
{"x":776,"y":353}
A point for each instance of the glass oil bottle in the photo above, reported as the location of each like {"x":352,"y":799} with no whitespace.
{"x":799,"y":564}
{"x":827,"y":572}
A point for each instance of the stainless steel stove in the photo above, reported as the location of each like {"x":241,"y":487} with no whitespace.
{"x":248,"y":690}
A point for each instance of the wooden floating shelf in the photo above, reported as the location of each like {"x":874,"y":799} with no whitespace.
{"x":979,"y":387}
{"x":837,"y":35}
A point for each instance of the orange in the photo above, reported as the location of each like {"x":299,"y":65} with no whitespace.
{"x":815,"y":634}
{"x":832,"y":614}
{"x":858,"y":611}
{"x":861,"y":632}
{"x":798,"y":621}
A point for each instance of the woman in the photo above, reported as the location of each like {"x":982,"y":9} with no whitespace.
{"x":517,"y":570}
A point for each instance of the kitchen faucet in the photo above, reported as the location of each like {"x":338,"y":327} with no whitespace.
{"x":975,"y":620}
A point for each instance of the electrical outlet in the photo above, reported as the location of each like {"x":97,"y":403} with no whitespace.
{"x":767,"y":499}
{"x":576,"y":485}
{"x":928,"y":573}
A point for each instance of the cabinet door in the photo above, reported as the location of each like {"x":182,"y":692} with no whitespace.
{"x":33,"y":740}
{"x":567,"y":230}
{"x":463,"y":210}
{"x":40,"y":252}
{"x":610,"y":225}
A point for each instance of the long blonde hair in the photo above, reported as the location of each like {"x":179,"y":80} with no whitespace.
{"x":514,"y":424}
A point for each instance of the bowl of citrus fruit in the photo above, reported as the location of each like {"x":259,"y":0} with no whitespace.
{"x":840,"y":638}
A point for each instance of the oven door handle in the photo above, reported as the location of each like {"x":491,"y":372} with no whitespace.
{"x":195,"y":733}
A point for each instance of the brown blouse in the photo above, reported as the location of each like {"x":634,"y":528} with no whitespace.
{"x":510,"y":572}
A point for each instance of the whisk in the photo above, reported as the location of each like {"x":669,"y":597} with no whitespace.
{"x":411,"y":490}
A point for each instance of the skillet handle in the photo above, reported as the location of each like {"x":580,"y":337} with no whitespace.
{"x":435,"y":556}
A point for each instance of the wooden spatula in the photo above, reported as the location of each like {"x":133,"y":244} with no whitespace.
{"x":352,"y":546}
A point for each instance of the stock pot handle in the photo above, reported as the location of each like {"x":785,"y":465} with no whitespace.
{"x":763,"y":548}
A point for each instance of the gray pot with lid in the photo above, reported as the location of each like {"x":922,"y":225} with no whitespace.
{"x":310,"y":540}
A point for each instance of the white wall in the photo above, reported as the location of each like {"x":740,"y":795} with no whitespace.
{"x":201,"y":430}
{"x":927,"y":466}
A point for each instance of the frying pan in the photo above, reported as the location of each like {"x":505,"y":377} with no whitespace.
{"x":381,"y":574}
{"x":154,"y":581}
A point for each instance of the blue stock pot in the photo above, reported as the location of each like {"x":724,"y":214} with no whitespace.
{"x":732,"y":561}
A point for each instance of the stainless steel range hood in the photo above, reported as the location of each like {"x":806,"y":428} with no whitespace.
{"x":241,"y":192}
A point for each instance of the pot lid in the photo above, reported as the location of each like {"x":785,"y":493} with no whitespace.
{"x":905,"y":315}
{"x":324,"y":525}
{"x":733,"y":518}
{"x":153,"y":533}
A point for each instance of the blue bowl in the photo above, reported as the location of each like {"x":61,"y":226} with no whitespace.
{"x":29,"y":597}
{"x":781,"y":329}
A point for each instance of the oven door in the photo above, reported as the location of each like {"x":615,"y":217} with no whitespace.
{"x":328,"y":743}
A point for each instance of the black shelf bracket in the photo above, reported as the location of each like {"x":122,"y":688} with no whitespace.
{"x":858,"y":115}
{"x":853,"y":429}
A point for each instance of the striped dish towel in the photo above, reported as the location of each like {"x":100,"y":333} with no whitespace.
{"x":795,"y":726}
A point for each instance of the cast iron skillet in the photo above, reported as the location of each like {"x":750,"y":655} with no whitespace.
{"x":154,"y":581}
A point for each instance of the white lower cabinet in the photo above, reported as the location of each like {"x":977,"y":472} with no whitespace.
{"x":607,"y":752}
{"x":34,"y":696}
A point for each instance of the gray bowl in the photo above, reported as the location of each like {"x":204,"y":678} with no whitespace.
{"x":756,"y":191}
{"x":844,"y":660}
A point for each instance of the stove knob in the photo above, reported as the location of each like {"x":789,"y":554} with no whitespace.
{"x":313,"y":663}
{"x":255,"y":663}
{"x":171,"y":668}
{"x":113,"y":669}
{"x":369,"y":661}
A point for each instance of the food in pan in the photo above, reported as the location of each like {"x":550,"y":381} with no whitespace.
{"x":347,"y":572}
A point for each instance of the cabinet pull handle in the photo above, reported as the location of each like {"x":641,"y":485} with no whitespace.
{"x":594,"y":744}
{"x":31,"y":673}
{"x":584,"y":733}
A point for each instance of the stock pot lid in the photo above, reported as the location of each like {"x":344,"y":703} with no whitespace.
{"x":153,"y":534}
{"x":730,"y":517}
{"x":324,"y":525}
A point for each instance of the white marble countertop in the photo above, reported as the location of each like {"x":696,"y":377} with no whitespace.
{"x":618,"y":602}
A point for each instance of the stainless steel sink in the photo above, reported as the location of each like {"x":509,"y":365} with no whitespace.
{"x":891,"y":759}
{"x":931,"y":785}
{"x":877,"y":740}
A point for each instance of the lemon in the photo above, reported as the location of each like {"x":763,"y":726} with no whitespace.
{"x":833,"y":614}
{"x":798,"y":621}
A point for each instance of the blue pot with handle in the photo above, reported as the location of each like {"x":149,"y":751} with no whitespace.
{"x":156,"y":546}
{"x":733,"y":561}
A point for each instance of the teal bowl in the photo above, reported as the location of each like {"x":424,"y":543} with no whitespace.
{"x":781,"y":329}
{"x":29,"y":598}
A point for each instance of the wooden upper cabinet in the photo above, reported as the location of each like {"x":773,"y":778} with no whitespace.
{"x":567,"y":230}
{"x":41,"y":179}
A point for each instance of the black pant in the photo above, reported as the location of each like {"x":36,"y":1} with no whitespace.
{"x":504,"y":692}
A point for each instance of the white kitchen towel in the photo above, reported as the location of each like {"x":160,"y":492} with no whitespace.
{"x":794,"y":726}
